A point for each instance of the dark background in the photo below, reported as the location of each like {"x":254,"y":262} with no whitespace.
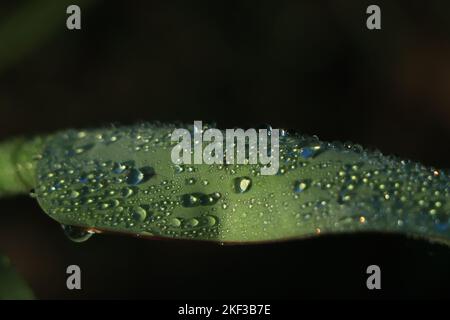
{"x":310,"y":66}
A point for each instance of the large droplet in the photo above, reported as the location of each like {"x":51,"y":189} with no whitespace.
{"x":139,"y":214}
{"x":76,"y":234}
{"x":148,"y":173}
{"x":135,"y":177}
{"x":175,"y":222}
{"x":210,"y":220}
{"x":193,"y":222}
{"x":242,"y":184}
{"x":191,"y":200}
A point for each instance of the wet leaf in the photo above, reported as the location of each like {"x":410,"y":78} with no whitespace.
{"x":123,"y":180}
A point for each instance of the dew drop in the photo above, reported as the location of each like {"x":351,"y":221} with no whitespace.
{"x":81,"y":149}
{"x":118,"y":168}
{"x":210,"y":220}
{"x":190,"y":181}
{"x":139,"y":214}
{"x":175,"y":222}
{"x":179,"y":168}
{"x":127,"y":192}
{"x":193,"y":222}
{"x":74,"y":194}
{"x":135,"y":177}
{"x":191,"y":200}
{"x":301,"y":185}
{"x":242,"y":184}
{"x":211,"y":199}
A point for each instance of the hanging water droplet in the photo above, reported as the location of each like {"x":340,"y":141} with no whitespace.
{"x":242,"y":184}
{"x":76,"y":234}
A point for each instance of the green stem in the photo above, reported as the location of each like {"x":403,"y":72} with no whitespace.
{"x":18,"y":158}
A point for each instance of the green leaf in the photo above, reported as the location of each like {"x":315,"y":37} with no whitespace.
{"x":12,"y":286}
{"x":123,"y":180}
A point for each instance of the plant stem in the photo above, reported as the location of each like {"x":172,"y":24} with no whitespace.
{"x":18,"y":159}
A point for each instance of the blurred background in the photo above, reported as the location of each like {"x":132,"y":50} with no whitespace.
{"x":309,"y":66}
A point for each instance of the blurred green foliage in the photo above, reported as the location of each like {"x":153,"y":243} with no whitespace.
{"x":12,"y":286}
{"x":30,"y":26}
